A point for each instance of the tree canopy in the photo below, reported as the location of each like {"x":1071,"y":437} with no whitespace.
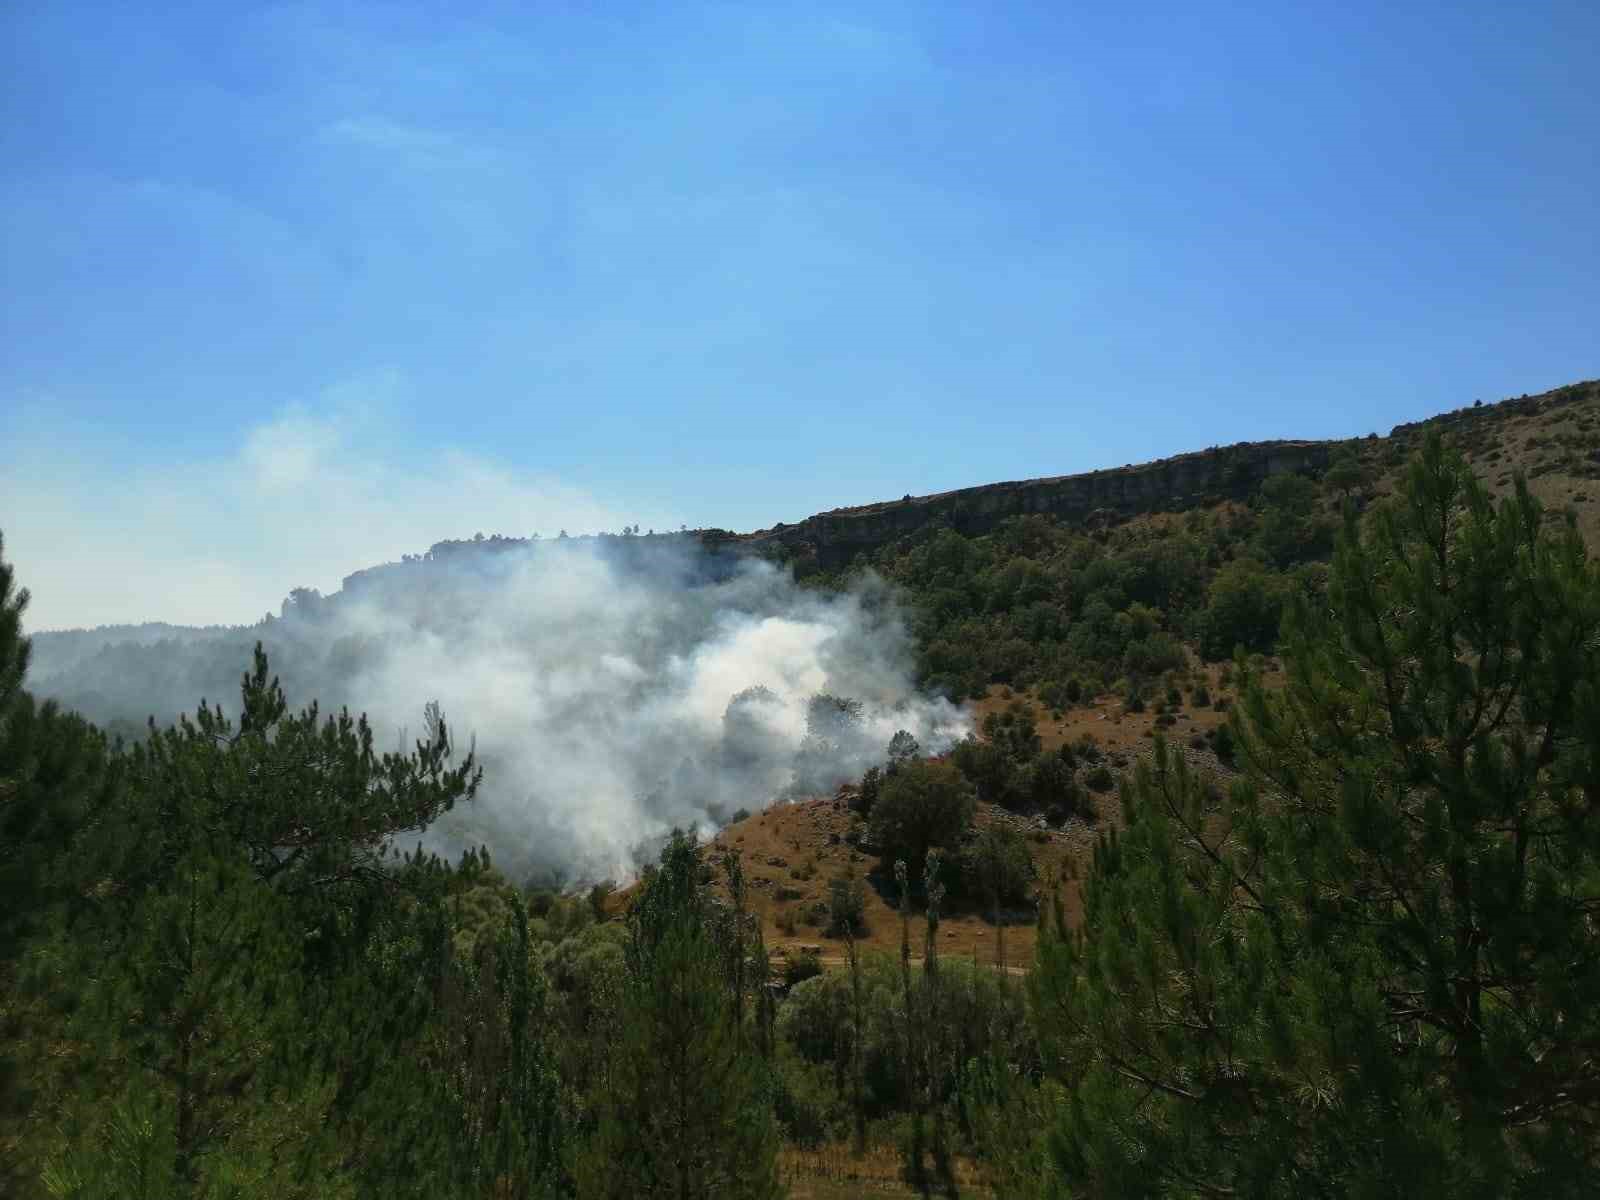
{"x":1373,"y":965}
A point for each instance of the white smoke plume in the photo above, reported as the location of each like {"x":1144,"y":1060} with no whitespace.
{"x":615,"y":687}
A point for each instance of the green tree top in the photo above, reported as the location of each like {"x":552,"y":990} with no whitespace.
{"x":1373,"y":966}
{"x":306,"y":798}
{"x":14,"y":648}
{"x":923,"y":804}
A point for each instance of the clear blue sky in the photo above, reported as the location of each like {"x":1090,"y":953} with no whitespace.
{"x":733,"y":264}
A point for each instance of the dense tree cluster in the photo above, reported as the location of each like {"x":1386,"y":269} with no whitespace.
{"x":1041,"y":603}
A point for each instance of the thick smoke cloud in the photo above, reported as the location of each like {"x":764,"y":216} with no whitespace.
{"x":615,"y":687}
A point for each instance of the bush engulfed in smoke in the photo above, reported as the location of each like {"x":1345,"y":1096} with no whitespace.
{"x":615,"y":687}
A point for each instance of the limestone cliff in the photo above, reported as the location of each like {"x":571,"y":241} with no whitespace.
{"x":1170,"y":484}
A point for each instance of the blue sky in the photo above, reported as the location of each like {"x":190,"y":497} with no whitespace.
{"x":292,"y":289}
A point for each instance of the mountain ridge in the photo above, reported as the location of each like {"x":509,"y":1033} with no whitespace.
{"x":1199,"y":478}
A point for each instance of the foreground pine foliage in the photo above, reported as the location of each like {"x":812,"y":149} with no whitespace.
{"x":1373,"y":966}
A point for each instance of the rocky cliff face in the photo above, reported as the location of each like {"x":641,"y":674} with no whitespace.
{"x":1171,"y":484}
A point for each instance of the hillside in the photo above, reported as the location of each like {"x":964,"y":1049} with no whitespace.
{"x":1554,"y":437}
{"x":791,"y":852}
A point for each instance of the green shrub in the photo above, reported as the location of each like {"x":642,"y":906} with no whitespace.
{"x":847,"y":905}
{"x":801,"y":966}
{"x":1243,"y":608}
{"x":996,"y":866}
{"x":1099,"y":779}
{"x":979,"y":1015}
{"x":598,"y":895}
{"x":1051,"y":782}
{"x":867,"y":796}
{"x":924,"y":804}
{"x":1222,"y":744}
{"x":805,"y":1103}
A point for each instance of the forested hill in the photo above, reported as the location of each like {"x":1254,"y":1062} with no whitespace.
{"x":1552,"y":436}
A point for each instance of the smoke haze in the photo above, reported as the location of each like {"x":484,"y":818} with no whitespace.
{"x":615,"y":687}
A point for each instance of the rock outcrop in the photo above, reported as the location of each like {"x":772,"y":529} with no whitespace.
{"x":1171,"y":484}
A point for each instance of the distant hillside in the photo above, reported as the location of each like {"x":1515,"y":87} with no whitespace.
{"x":1553,"y":437}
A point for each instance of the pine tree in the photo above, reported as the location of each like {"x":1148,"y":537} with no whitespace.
{"x":228,"y":903}
{"x":56,"y":775}
{"x":14,"y":648}
{"x":314,"y":809}
{"x":912,"y":1050}
{"x":687,"y":1113}
{"x":846,"y":902}
{"x":191,"y":1000}
{"x":1373,"y":968}
{"x":467,"y":1101}
{"x":937,"y":1064}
